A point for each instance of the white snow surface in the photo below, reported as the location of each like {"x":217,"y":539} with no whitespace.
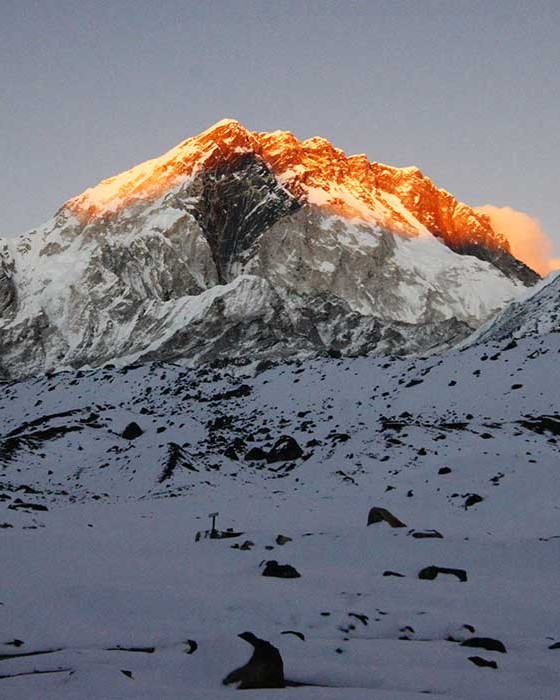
{"x":114,"y":563}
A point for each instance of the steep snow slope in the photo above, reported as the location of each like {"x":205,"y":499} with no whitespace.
{"x":259,"y":242}
{"x":536,"y":313}
{"x":465,"y":444}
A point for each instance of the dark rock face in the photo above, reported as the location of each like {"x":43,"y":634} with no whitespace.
{"x":7,"y":286}
{"x":276,"y":570}
{"x":238,"y":201}
{"x":265,"y":668}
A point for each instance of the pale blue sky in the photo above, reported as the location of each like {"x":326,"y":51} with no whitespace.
{"x":469,"y":91}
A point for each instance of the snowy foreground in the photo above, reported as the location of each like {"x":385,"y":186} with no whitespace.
{"x":108,"y":589}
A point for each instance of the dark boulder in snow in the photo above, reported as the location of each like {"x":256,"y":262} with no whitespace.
{"x":256,"y":454}
{"x":472,"y":499}
{"x":132,"y":431}
{"x":285,"y":449}
{"x":485,"y":643}
{"x":379,"y":515}
{"x":483,"y":663}
{"x":264,"y":669}
{"x":429,"y":573}
{"x":273,"y":568}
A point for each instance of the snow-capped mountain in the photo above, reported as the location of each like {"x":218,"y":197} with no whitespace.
{"x":237,"y":245}
{"x":108,"y":476}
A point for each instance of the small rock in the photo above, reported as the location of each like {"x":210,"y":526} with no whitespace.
{"x":483,"y":663}
{"x":427,"y":534}
{"x":283,"y":539}
{"x":472,"y":500}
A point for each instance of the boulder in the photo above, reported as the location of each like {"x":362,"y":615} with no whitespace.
{"x":264,"y":669}
{"x":485,"y":643}
{"x":273,"y":568}
{"x":285,"y":449}
{"x":429,"y":573}
{"x":379,"y":515}
{"x":132,"y":431}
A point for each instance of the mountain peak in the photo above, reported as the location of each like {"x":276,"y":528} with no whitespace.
{"x":316,"y":173}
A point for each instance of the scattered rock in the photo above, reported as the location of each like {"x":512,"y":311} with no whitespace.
{"x":393,"y":573}
{"x":273,"y":568}
{"x":444,"y":470}
{"x":429,"y":573}
{"x":264,"y":669}
{"x":378,"y":515}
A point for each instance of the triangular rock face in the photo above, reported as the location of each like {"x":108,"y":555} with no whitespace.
{"x":241,"y":246}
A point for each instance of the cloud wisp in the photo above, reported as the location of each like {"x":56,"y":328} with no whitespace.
{"x":529,"y":242}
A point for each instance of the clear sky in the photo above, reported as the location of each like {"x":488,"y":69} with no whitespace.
{"x":468,"y":91}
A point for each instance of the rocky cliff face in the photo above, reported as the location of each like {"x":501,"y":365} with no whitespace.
{"x":237,"y":246}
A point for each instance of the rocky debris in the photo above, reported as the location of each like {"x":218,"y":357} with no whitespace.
{"x":485,"y":643}
{"x":542,"y":424}
{"x":132,"y":431}
{"x":265,"y":668}
{"x":380,"y":515}
{"x":133,"y":650}
{"x":444,"y":470}
{"x":430,"y":573}
{"x":18,"y":504}
{"x":483,"y":663}
{"x":393,"y":573}
{"x":273,"y":568}
{"x":245,"y":546}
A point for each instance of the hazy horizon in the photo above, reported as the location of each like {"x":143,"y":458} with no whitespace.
{"x":465,"y":91}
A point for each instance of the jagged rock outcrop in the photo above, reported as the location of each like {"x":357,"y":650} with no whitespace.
{"x":240,"y":246}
